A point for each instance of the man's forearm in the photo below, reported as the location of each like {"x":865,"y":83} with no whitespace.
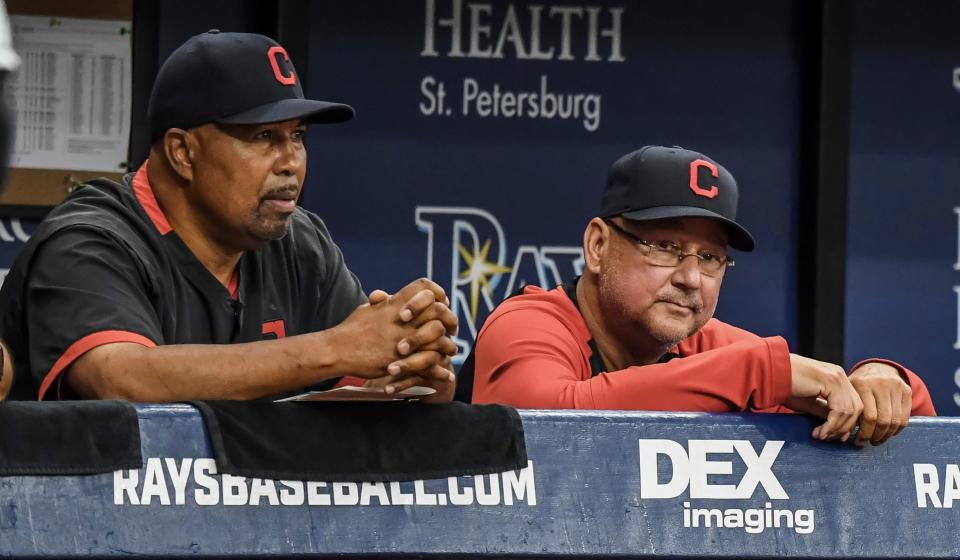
{"x":207,"y":371}
{"x":399,"y":334}
{"x":6,"y":371}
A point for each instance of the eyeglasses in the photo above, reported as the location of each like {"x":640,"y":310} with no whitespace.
{"x":668,"y":253}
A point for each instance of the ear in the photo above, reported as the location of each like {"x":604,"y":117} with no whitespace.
{"x":179,"y":146}
{"x":596,"y":243}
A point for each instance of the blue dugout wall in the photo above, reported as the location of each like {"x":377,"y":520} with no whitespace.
{"x":598,"y":484}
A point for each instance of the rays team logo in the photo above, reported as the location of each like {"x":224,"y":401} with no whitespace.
{"x":468,"y":254}
{"x":12,"y":231}
{"x":12,"y":237}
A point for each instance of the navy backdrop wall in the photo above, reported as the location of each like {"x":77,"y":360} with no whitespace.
{"x":178,"y":20}
{"x":463,"y":188}
{"x":482,"y":202}
{"x":903,"y":240}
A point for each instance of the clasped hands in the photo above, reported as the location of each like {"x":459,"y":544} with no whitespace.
{"x":874,"y":397}
{"x":404,"y":340}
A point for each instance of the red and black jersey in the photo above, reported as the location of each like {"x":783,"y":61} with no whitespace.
{"x":535,"y":351}
{"x":105,"y":266}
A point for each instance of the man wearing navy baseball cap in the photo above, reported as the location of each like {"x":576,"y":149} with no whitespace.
{"x":198,"y":276}
{"x":636,"y":330}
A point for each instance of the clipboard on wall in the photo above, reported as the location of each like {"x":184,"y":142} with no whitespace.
{"x":78,"y":126}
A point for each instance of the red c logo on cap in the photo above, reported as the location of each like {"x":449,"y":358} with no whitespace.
{"x":695,"y":166}
{"x":287,"y":80}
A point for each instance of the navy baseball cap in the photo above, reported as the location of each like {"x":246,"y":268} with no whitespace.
{"x":657,"y":182}
{"x":232,"y":78}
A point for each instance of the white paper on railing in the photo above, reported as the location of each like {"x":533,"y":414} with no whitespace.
{"x":351,"y":393}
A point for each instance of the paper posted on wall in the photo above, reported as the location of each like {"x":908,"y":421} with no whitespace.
{"x":351,"y":393}
{"x":71,"y":95}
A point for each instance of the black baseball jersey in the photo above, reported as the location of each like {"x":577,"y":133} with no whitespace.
{"x":105,"y":266}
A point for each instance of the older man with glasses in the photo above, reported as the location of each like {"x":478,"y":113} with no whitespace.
{"x":636,"y":331}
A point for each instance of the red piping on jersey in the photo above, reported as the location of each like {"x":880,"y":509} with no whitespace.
{"x":350,"y":381}
{"x":144,"y":194}
{"x":276,"y":328}
{"x":84,"y":345}
{"x":234,"y":286}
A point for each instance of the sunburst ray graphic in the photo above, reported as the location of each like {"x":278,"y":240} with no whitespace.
{"x":479,"y":271}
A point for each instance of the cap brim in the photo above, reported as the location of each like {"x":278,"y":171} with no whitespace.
{"x":737,"y":236}
{"x":308,"y":110}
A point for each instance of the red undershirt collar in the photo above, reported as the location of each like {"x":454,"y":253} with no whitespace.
{"x":144,"y":193}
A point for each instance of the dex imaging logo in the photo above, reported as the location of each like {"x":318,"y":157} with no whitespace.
{"x":704,"y":470}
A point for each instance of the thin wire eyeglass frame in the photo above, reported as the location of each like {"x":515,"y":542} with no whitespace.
{"x":675,"y":254}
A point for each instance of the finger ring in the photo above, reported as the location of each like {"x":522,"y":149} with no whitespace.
{"x":854,"y":433}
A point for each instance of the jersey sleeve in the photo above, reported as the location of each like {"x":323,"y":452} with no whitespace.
{"x":922,"y":404}
{"x":717,"y":333}
{"x":531,"y":362}
{"x":85,"y":288}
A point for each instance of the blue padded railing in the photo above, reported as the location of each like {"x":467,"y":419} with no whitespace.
{"x":598,"y":484}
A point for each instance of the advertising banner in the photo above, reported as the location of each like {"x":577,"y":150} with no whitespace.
{"x":597,"y":484}
{"x":484,"y":132}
